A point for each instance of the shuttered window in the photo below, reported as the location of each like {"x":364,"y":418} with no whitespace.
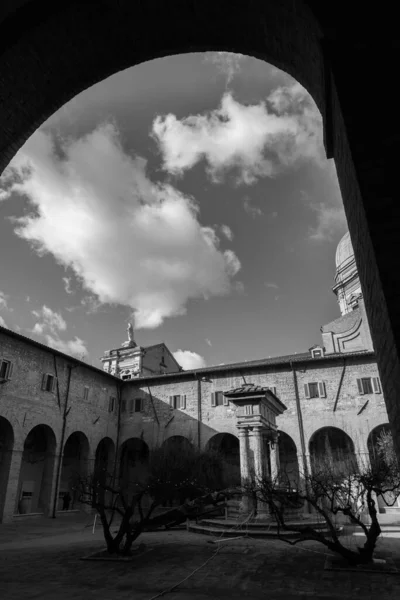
{"x":85,"y":393}
{"x":369,"y":385}
{"x":218,"y":399}
{"x":175,"y":401}
{"x":315,"y":389}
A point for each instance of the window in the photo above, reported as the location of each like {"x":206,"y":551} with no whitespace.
{"x":111,"y":404}
{"x":316,"y":389}
{"x":85,"y":393}
{"x":6,"y":368}
{"x":177,"y":401}
{"x":369,"y":385}
{"x":48,"y":382}
{"x":218,"y":399}
{"x":138,"y":404}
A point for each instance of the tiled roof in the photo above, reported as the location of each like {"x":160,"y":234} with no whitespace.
{"x":249,"y":388}
{"x":264,"y":362}
{"x":27,"y":340}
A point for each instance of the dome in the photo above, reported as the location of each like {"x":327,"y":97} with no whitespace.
{"x":344,"y":251}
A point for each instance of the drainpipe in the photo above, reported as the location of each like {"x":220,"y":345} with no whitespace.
{"x":64,"y":425}
{"x":300,"y":421}
{"x":198,"y":411}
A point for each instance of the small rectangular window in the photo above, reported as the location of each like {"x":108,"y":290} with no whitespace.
{"x":219,"y":398}
{"x":111,"y":404}
{"x":85,"y":393}
{"x":5,"y":369}
{"x":138,"y":404}
{"x":176,"y":401}
{"x":48,"y":382}
{"x":376,"y":385}
{"x":313,"y":390}
{"x":367,"y":385}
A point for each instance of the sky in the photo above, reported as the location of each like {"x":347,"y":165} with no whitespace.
{"x":190,"y":195}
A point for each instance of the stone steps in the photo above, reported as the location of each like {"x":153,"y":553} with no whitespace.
{"x":254,"y":528}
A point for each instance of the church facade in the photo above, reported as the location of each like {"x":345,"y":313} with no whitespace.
{"x":60,"y":416}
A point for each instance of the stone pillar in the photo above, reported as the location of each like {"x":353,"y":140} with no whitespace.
{"x":260,"y":468}
{"x":246,"y":504}
{"x":274,"y":457}
{"x":258,"y":453}
{"x":10,"y":505}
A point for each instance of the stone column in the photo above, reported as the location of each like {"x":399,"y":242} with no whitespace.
{"x":10,"y":505}
{"x":259,"y":467}
{"x":274,"y":457}
{"x":246,"y":504}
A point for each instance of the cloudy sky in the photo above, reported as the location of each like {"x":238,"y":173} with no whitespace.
{"x":190,"y":194}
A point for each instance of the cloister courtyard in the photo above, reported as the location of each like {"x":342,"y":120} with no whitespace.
{"x":41,"y":558}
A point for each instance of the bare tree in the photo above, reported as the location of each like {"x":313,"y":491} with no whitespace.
{"x":192,"y":478}
{"x":333,"y":488}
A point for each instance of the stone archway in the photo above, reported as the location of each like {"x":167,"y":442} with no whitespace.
{"x":288,"y":460}
{"x":6,"y":449}
{"x":37,"y":471}
{"x":332,"y":445}
{"x":374,"y":457}
{"x":75,"y":467}
{"x":104,"y":466}
{"x":227,"y":445}
{"x":133,"y":463}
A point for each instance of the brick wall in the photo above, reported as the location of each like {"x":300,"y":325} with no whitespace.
{"x":25,"y":405}
{"x":158,"y":420}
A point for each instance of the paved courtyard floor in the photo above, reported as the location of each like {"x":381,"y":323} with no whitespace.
{"x":42,"y":560}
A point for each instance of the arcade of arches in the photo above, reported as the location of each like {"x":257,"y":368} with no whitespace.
{"x":38,"y":461}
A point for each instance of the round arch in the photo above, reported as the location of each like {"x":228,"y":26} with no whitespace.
{"x":79,"y":58}
{"x":133,"y":462}
{"x":227,"y":445}
{"x":6,"y":449}
{"x":331,"y":444}
{"x":104,"y":467}
{"x":75,"y":466}
{"x":37,"y":471}
{"x":288,"y":467}
{"x":373,"y":438}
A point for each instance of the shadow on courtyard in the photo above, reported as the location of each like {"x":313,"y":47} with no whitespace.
{"x":50,"y":566}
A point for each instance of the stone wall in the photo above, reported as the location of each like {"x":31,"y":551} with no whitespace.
{"x":25,"y":405}
{"x":343,"y":406}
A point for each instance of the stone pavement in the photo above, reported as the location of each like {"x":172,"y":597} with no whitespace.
{"x":42,"y":560}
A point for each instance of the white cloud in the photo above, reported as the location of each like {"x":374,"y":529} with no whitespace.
{"x":227,"y":232}
{"x":28,"y":299}
{"x":239,"y":287}
{"x":208,"y":342}
{"x":228,"y":63}
{"x":91,"y":304}
{"x":253,"y":211}
{"x":271,"y":284}
{"x":75,"y":347}
{"x":329,"y":213}
{"x":255,"y":141}
{"x":49,"y":320}
{"x":129,"y":241}
{"x":330,"y":221}
{"x":3,"y":301}
{"x":189,"y":360}
{"x":2,"y":322}
{"x":49,"y":326}
{"x":67,"y":285}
